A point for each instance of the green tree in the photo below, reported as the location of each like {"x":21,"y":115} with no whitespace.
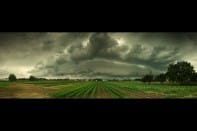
{"x":161,"y":78}
{"x":180,"y":72}
{"x":148,"y":78}
{"x":12,"y":77}
{"x":194,"y":77}
{"x":33,"y":78}
{"x":171,"y":73}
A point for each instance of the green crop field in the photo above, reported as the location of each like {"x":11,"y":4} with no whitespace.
{"x":4,"y":84}
{"x":94,"y":90}
{"x":126,"y":90}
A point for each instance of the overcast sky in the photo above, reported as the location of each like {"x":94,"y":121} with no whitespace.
{"x":84,"y":55}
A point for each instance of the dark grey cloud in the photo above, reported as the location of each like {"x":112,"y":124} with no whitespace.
{"x":81,"y":54}
{"x":99,"y":45}
{"x":102,"y":54}
{"x":158,"y":57}
{"x":91,"y":68}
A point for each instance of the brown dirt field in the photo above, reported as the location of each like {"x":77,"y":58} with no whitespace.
{"x":17,"y":90}
{"x":138,"y":94}
{"x":101,"y":92}
{"x":25,"y":91}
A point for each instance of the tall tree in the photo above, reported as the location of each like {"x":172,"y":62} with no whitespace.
{"x":12,"y":77}
{"x":161,"y":77}
{"x":148,"y":78}
{"x":33,"y":78}
{"x":194,"y":77}
{"x":180,"y":72}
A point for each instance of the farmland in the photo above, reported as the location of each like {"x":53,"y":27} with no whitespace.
{"x":94,"y":90}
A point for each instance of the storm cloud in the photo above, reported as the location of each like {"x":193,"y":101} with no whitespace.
{"x":85,"y":55}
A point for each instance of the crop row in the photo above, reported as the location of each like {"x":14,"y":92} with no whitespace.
{"x":78,"y":91}
{"x":98,"y":90}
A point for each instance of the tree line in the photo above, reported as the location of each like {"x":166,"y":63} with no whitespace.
{"x":12,"y":77}
{"x":181,"y":73}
